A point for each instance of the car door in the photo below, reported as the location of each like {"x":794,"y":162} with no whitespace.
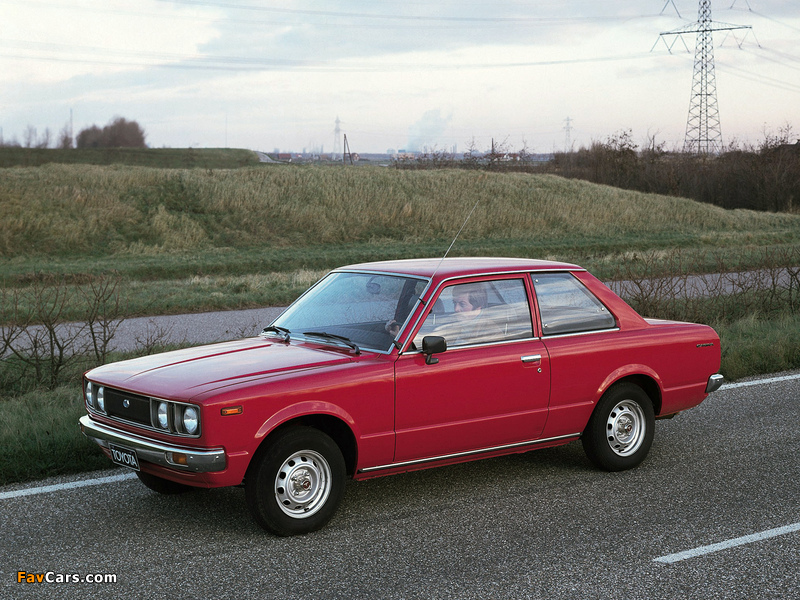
{"x":584,"y":344}
{"x":490,"y":388}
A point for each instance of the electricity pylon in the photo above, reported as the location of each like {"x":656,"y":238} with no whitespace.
{"x":703,"y":131}
{"x":337,"y":141}
{"x":568,"y":135}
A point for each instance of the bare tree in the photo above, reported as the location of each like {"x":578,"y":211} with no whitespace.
{"x":65,"y":138}
{"x":41,"y":339}
{"x":30,"y":136}
{"x":44,"y":139}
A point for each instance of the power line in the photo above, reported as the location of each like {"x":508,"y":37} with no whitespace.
{"x":48,"y":51}
{"x":515,"y":19}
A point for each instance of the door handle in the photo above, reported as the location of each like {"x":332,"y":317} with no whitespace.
{"x":532,"y":358}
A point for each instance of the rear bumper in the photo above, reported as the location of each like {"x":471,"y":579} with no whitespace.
{"x":180,"y":458}
{"x":714,"y":383}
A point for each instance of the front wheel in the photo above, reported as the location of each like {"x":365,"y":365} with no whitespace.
{"x":295,"y":484}
{"x":620,"y":432}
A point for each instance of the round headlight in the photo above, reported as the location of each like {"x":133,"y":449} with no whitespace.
{"x":163,"y":420}
{"x":191,"y":420}
{"x":89,"y":395}
{"x":101,"y":399}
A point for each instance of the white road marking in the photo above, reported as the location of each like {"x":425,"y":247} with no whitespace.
{"x":46,"y":489}
{"x":740,"y":541}
{"x":730,"y":386}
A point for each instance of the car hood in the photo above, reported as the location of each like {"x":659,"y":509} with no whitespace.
{"x":186,"y":373}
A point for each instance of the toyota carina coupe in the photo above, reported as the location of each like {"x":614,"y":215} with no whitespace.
{"x":385,"y":367}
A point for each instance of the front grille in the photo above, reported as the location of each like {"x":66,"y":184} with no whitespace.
{"x":128,"y":407}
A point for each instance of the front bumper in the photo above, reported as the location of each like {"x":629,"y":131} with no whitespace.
{"x":714,"y":383}
{"x":182,"y":458}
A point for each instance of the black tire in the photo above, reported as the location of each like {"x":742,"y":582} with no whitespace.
{"x":295,"y":483}
{"x":620,"y":432}
{"x":163,"y":486}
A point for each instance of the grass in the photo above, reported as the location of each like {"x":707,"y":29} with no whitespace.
{"x":39,"y":432}
{"x":161,"y":229}
{"x":167,"y":158}
{"x":754,"y":346}
{"x":76,"y":210}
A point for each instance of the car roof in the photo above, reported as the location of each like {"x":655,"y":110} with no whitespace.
{"x":460,"y":267}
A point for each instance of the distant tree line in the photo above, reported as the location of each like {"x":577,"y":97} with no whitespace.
{"x":119,"y":133}
{"x":761,"y":177}
{"x":764,"y":177}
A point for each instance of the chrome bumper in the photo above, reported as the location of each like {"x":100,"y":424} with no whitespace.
{"x":165,"y":455}
{"x":714,"y":383}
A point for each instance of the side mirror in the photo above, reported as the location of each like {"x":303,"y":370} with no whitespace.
{"x":433,"y":344}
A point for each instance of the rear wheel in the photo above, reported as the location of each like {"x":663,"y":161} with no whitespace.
{"x":620,"y":432}
{"x":295,"y":484}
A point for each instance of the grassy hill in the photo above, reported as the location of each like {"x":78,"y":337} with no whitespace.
{"x":83,"y":210}
{"x":164,"y":158}
{"x":201,"y":239}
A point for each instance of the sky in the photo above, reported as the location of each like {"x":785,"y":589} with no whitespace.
{"x":398,"y":74}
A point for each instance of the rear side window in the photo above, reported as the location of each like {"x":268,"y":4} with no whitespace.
{"x":566,"y":306}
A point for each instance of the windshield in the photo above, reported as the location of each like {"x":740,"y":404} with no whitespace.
{"x":367,"y":309}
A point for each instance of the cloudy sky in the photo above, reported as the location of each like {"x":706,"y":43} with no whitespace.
{"x":276,"y":74}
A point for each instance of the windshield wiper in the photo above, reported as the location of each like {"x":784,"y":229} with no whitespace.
{"x":336,"y":338}
{"x":281,"y":331}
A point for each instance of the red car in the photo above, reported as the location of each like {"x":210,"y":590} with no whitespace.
{"x":386,"y":367}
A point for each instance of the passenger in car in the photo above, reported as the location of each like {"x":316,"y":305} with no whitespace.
{"x":472,"y":325}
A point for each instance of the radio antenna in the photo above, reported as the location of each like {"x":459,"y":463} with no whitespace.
{"x":419,"y":298}
{"x":455,"y":238}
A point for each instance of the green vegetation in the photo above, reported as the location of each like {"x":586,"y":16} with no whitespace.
{"x":91,"y":211}
{"x":191,"y":240}
{"x":170,"y":240}
{"x":165,"y":158}
{"x":40,"y":435}
{"x":754,"y":345}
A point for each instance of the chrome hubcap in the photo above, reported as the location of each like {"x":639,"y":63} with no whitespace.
{"x":303,"y":484}
{"x":625,"y":428}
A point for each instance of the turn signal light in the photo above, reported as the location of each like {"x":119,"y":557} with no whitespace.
{"x":231,"y":410}
{"x":178,"y":458}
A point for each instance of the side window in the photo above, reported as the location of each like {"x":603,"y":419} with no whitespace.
{"x":566,"y":306}
{"x":478,"y":313}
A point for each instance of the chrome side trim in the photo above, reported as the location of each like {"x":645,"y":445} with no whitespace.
{"x":577,"y":333}
{"x":420,"y":461}
{"x":197,"y":461}
{"x":714,"y":383}
{"x":480,"y":345}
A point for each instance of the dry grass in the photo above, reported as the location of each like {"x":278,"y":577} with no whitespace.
{"x":89,"y":210}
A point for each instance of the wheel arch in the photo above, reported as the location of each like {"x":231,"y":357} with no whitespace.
{"x":334,"y":427}
{"x":646,"y":382}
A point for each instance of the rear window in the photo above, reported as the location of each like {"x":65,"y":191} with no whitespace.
{"x":566,"y":306}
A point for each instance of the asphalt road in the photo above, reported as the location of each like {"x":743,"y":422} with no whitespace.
{"x":139,"y":332}
{"x":539,"y":525}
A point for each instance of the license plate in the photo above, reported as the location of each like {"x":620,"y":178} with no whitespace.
{"x":124,"y":457}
